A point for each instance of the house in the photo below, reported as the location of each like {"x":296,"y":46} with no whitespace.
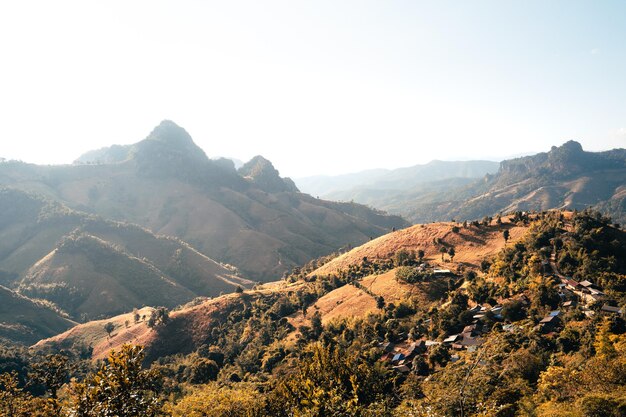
{"x":387,"y":346}
{"x":570,"y":304}
{"x":572,"y":285}
{"x":472,"y":330}
{"x":549,"y":324}
{"x":416,"y":348}
{"x":475,"y":309}
{"x":429,"y":343}
{"x":442,"y":271}
{"x":610,"y":309}
{"x":471,"y":341}
{"x":586,"y":284}
{"x":451,"y":339}
{"x":554,"y":313}
{"x":497,"y":311}
{"x":590,"y":298}
{"x":397,"y":357}
{"x":402,"y":369}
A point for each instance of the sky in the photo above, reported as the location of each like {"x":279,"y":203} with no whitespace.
{"x":317,"y":87}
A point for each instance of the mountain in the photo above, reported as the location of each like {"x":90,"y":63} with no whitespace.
{"x":91,"y":267}
{"x":566,"y":177}
{"x":26,"y":321}
{"x":251,"y":218}
{"x":367,"y":186}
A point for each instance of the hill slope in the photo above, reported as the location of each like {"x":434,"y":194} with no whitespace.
{"x":253,"y":219}
{"x":193,"y":326}
{"x":23,"y":320}
{"x":92,"y":267}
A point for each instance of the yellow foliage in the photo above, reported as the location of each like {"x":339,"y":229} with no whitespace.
{"x":213,"y":400}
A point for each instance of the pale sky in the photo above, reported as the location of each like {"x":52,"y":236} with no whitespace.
{"x":317,"y":87}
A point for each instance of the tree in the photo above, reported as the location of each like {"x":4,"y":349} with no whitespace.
{"x":443,"y":251}
{"x":159,"y":316}
{"x":420,"y":255}
{"x":380,"y":302}
{"x":52,"y":373}
{"x":119,"y":388}
{"x":239,"y":289}
{"x":404,"y":257}
{"x":109,"y":327}
{"x":451,"y":252}
{"x":11,"y":395}
{"x":316,"y":325}
{"x":506,"y":235}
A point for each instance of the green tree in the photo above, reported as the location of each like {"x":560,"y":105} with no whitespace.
{"x":443,"y":251}
{"x":52,"y":373}
{"x":109,"y":327}
{"x":506,"y":235}
{"x":119,"y":388}
{"x":451,"y":252}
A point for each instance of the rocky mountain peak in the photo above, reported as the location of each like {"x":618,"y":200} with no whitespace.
{"x":261,"y":171}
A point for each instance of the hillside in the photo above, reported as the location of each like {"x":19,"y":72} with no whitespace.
{"x":472,"y":244}
{"x":251,"y":218}
{"x":91,"y":267}
{"x":193,"y":325}
{"x":25,"y":321}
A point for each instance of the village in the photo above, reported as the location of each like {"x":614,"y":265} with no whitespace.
{"x":402,"y":354}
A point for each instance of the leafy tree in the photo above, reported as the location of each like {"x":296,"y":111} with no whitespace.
{"x":443,"y":251}
{"x":451,"y":252}
{"x":52,"y":373}
{"x":506,"y":234}
{"x":513,"y":310}
{"x":331,"y":381}
{"x":119,"y":388}
{"x":109,"y":327}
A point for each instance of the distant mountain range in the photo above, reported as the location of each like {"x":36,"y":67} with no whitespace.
{"x":565,"y":177}
{"x":371,"y":183}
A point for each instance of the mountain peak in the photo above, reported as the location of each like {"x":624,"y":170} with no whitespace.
{"x":171,"y":134}
{"x":571,"y":146}
{"x":262,"y":172}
